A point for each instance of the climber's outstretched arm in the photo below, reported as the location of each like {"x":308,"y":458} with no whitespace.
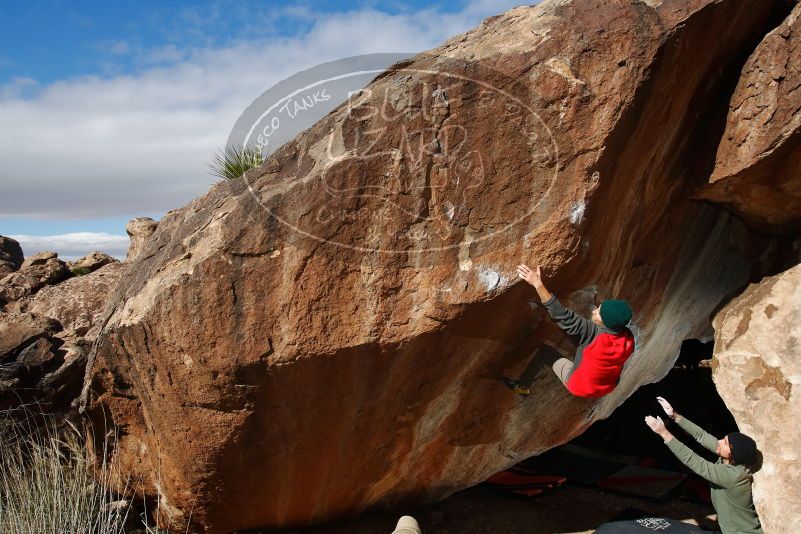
{"x":572,"y":323}
{"x":534,"y":277}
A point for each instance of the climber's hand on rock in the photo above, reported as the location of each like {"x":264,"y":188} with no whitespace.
{"x":669,"y":411}
{"x":533,"y":277}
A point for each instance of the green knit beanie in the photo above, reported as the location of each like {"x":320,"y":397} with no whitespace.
{"x":615,"y":314}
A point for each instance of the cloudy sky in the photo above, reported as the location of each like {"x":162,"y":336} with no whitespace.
{"x":111,"y":110}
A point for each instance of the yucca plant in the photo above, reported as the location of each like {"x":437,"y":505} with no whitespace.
{"x":233,"y":161}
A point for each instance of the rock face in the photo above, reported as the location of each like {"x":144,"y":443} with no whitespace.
{"x":19,"y":331}
{"x":139,"y":230}
{"x":91,"y":262}
{"x":50,"y":314}
{"x":45,"y":339}
{"x":34,"y":273}
{"x":329,"y":333}
{"x":758,"y":169}
{"x":10,"y":256}
{"x":78,"y":303}
{"x":757,"y":371}
{"x":27,"y":354}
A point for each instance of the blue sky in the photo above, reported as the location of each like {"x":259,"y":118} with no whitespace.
{"x":110,"y":110}
{"x":64,"y":39}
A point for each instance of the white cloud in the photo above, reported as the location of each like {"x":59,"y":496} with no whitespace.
{"x":162,"y":54}
{"x":115,"y":47}
{"x":121,"y":146}
{"x":74,"y":245}
{"x":17,"y":87}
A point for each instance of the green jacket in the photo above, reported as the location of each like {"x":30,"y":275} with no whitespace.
{"x":731,"y":484}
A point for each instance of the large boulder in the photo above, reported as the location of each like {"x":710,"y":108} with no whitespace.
{"x":78,"y":303}
{"x":139,"y":230}
{"x":45,"y":340}
{"x":10,"y":256}
{"x":27,"y":353}
{"x":91,"y":262}
{"x":328,"y":333}
{"x":757,"y":371}
{"x":20,"y":330}
{"x":758,"y":167}
{"x":35,"y":272}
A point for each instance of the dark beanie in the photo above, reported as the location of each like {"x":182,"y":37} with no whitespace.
{"x":743,"y":449}
{"x":615,"y":314}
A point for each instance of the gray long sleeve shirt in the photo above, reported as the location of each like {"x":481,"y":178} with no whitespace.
{"x":731,"y":484}
{"x":581,"y":329}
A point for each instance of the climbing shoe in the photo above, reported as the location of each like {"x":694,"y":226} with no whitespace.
{"x":517,"y":387}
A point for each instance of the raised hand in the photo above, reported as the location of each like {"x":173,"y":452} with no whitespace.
{"x":669,"y":411}
{"x":656,"y":424}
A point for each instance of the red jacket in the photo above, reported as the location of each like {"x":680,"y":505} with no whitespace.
{"x":599,"y":371}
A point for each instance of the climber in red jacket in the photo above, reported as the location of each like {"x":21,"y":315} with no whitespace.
{"x":604,"y":344}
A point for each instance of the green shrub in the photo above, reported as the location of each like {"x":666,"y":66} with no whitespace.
{"x":233,"y":161}
{"x":80,"y":271}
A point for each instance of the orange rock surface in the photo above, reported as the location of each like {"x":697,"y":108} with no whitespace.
{"x":758,"y":166}
{"x":328,"y":333}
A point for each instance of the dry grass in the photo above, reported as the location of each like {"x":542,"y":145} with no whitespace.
{"x":48,"y":483}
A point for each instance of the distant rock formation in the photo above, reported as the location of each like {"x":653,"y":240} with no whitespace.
{"x":77,"y":303}
{"x":329,"y":333}
{"x":50,"y":314}
{"x":91,"y":262}
{"x":45,"y":339}
{"x":35,"y":272}
{"x":10,"y":256}
{"x":139,"y":230}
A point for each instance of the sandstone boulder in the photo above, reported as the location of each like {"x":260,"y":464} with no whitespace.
{"x":10,"y":256}
{"x":19,"y":330}
{"x":78,"y":303}
{"x":26,"y":352}
{"x":39,"y":259}
{"x":139,"y":230}
{"x":45,"y":339}
{"x":91,"y":262}
{"x":758,"y":167}
{"x":35,"y":272}
{"x":757,"y":371}
{"x":329,"y":333}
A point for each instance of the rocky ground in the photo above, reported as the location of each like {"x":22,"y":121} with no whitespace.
{"x":50,"y":312}
{"x":479,"y":510}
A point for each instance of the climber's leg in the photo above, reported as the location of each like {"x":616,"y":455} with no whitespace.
{"x":517,"y":387}
{"x":546,"y":356}
{"x":562,"y":368}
